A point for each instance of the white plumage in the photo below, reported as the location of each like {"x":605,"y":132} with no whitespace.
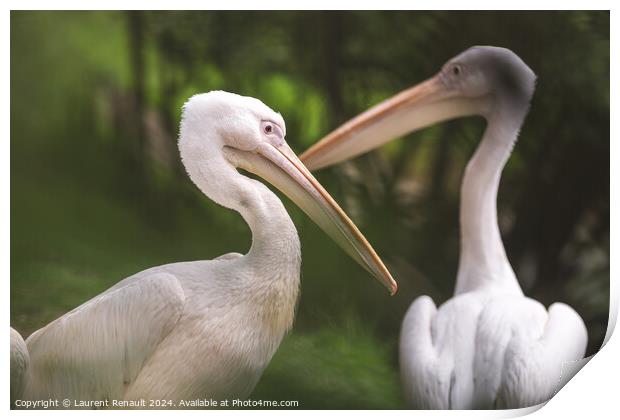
{"x":201,"y":329}
{"x":20,"y":364}
{"x":489,"y":346}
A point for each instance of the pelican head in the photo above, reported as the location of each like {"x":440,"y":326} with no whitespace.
{"x":479,"y":81}
{"x":222,"y":131}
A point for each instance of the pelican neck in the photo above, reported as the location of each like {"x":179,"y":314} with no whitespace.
{"x":483,"y":262}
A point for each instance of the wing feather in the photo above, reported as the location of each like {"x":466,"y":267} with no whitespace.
{"x":96,"y":350}
{"x":426,"y":379}
{"x":533,"y":368}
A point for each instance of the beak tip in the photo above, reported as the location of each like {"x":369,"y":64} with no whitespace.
{"x":393,"y":287}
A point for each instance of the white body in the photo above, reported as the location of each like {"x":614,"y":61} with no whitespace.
{"x":171,"y":332}
{"x":485,"y":349}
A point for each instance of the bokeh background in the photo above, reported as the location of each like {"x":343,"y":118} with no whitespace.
{"x":98,"y":192}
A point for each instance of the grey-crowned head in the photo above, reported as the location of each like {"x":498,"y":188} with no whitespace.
{"x":494,"y":72}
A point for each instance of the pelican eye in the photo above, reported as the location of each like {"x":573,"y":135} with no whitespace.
{"x":271,"y":129}
{"x":456,"y":70}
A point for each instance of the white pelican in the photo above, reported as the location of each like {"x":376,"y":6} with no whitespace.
{"x":488,"y":346}
{"x":200,"y":329}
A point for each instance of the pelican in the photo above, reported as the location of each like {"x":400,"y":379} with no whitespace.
{"x":200,"y":329}
{"x":488,"y":346}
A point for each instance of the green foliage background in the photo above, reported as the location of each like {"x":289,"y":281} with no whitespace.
{"x":97,"y":191}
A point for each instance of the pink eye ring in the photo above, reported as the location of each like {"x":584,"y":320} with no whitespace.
{"x":270,"y":128}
